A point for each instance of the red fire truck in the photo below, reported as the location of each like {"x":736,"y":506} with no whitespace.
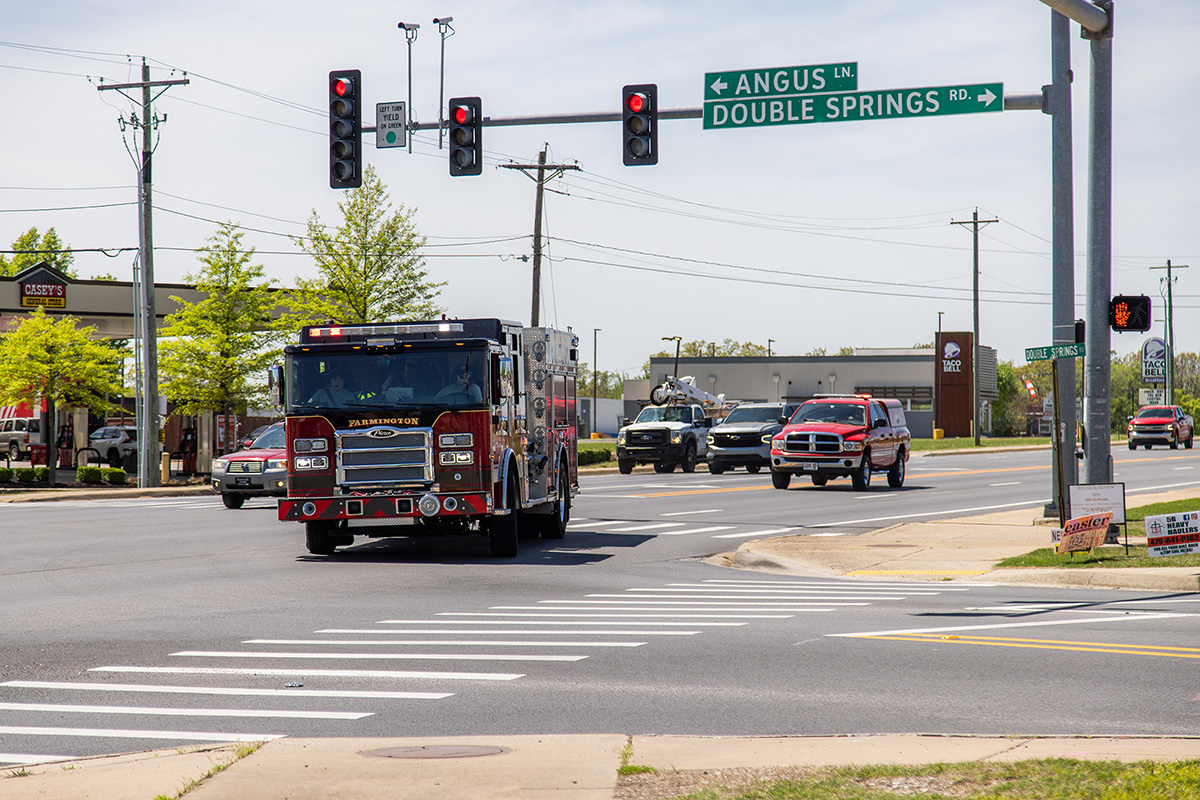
{"x":415,"y":428}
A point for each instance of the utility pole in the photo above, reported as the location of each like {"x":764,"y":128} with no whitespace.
{"x":595,"y":350}
{"x":975,"y":222}
{"x":1170,"y":329}
{"x":148,"y":451}
{"x":541,"y":180}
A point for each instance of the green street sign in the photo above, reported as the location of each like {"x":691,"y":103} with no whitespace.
{"x":933,"y":101}
{"x":1054,"y":351}
{"x":780,"y":81}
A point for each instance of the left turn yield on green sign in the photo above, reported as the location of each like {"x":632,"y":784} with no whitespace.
{"x":389,"y":125}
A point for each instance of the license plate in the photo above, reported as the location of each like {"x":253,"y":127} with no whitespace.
{"x":808,"y":466}
{"x":241,"y":481}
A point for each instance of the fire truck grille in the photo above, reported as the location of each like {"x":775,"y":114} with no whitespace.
{"x":813,"y":443}
{"x":384,"y":456}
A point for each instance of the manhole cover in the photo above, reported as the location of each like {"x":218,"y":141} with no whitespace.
{"x":436,"y":751}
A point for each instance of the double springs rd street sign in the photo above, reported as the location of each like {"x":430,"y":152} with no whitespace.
{"x":1054,"y":351}
{"x":754,"y":111}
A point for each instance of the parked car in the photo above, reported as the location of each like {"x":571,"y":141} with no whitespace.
{"x":113,"y":443}
{"x":247,"y":440}
{"x":1160,"y":425}
{"x":17,"y":433}
{"x":834,"y":437}
{"x":260,"y":471}
{"x":738,"y":440}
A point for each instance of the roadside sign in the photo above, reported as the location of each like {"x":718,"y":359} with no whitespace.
{"x":389,"y":125}
{"x":1081,"y":533}
{"x":1152,"y":397}
{"x":797,"y":109}
{"x":743,"y":84}
{"x":1154,"y":361}
{"x":1097,"y":498}
{"x":1055,"y":351}
{"x":1173,"y":534}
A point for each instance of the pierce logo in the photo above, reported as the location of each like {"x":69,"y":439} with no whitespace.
{"x":382,"y":433}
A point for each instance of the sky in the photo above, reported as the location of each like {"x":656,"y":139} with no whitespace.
{"x":807,"y":236}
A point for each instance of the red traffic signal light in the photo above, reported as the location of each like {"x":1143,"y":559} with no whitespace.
{"x":639,"y":124}
{"x":345,"y":129}
{"x":1130,"y":312}
{"x":466,"y":136}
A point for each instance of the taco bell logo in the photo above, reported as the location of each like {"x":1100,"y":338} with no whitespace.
{"x":950,"y":357}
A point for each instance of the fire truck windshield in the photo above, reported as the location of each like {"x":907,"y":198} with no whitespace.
{"x":413,"y":379}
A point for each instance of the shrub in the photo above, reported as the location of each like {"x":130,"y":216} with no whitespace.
{"x":114,"y":476}
{"x":597,"y":455}
{"x":41,"y":474}
{"x":89,"y":475}
{"x":25,"y":474}
{"x":6,"y":474}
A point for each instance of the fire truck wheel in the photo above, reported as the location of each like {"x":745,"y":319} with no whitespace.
{"x":781,"y":480}
{"x":664,"y":467}
{"x":232,"y":500}
{"x":318,"y":538}
{"x":625,"y":465}
{"x":503,"y":534}
{"x":554,"y":524}
{"x":688,"y":462}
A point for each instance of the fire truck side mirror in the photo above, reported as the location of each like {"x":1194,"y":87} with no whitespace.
{"x":502,"y":380}
{"x":275,"y":388}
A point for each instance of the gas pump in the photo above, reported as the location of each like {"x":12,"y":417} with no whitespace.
{"x":65,"y":442}
{"x":187,"y":450}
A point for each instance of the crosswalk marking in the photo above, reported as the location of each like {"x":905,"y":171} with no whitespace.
{"x":511,"y":632}
{"x":218,"y":690}
{"x":440,"y":642}
{"x":318,"y":673}
{"x":555,"y":622}
{"x":59,"y":708}
{"x":648,"y":527}
{"x":783,"y":604}
{"x":697,"y":530}
{"x":375,"y":656}
{"x":771,"y":532}
{"x":630,"y":614}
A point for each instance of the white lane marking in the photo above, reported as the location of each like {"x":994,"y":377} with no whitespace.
{"x":852,"y":585}
{"x":997,"y":626}
{"x":31,"y":758}
{"x":689,"y":513}
{"x":238,"y":692}
{"x":873,"y":497}
{"x":818,"y":535}
{"x":770,"y":532}
{"x":1026,"y":504}
{"x":654,"y":598}
{"x":512,"y":633}
{"x":373,"y":656}
{"x":559,"y":622}
{"x":318,"y":673}
{"x":712,"y":605}
{"x":1145,"y":489}
{"x":116,"y":733}
{"x":440,"y":642}
{"x":696,"y":530}
{"x":772,"y":591}
{"x":586,"y":524}
{"x":181,"y":712}
{"x":1009,"y":483}
{"x":650,"y":527}
{"x":630,"y":616}
{"x":1181,"y":469}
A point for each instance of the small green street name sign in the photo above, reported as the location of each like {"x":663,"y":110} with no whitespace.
{"x":780,"y":81}
{"x":854,"y":106}
{"x":1054,"y":351}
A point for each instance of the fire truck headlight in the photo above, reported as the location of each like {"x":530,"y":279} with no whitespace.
{"x":446,"y":459}
{"x":456,"y":440}
{"x":312,"y":462}
{"x":465,"y":458}
{"x":311,"y":445}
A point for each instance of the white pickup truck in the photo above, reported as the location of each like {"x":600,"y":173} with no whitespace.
{"x":664,"y":436}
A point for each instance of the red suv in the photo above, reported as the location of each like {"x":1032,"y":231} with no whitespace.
{"x":835,"y":437}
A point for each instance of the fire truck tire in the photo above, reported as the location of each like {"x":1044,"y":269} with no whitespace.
{"x":503,"y":532}
{"x":232,"y":500}
{"x":781,"y":480}
{"x":688,"y":462}
{"x":861,"y":478}
{"x":625,"y":465}
{"x":318,"y":537}
{"x":554,"y":524}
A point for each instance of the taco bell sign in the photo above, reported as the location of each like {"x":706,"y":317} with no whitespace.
{"x":1154,"y":361}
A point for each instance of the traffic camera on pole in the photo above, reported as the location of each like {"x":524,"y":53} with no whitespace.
{"x":639,"y":124}
{"x":345,"y":129}
{"x":1130,"y":312}
{"x":466,"y":136}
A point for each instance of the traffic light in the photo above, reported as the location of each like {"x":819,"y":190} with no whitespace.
{"x":345,"y":129}
{"x":639,"y":124}
{"x":466,"y":136}
{"x":1130,"y":312}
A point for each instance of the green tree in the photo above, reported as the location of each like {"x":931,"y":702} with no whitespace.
{"x":702,"y":348}
{"x":214,"y":354}
{"x":48,"y":248}
{"x":57,"y":360}
{"x":608,"y":384}
{"x":1008,"y":413}
{"x":370,"y":268}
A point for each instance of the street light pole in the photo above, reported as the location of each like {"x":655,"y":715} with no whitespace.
{"x":594,"y":351}
{"x":676,"y":340}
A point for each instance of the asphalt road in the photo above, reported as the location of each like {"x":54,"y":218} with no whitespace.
{"x":137,"y":624}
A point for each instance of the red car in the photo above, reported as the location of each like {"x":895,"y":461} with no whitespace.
{"x":260,"y":471}
{"x":835,"y":437}
{"x":1160,"y":425}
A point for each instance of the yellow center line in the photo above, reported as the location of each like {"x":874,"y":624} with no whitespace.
{"x":1047,"y":644}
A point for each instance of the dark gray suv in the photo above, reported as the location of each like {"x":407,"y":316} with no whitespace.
{"x":738,"y":440}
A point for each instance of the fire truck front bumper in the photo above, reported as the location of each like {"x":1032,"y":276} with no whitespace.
{"x":378,"y":507}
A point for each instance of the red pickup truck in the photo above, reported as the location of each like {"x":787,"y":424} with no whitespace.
{"x":835,"y":437}
{"x":1160,"y":425}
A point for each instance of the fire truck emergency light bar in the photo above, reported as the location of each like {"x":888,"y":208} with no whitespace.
{"x":384,"y":330}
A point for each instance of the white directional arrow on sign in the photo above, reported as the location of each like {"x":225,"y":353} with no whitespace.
{"x":987,"y":97}
{"x":719,"y":86}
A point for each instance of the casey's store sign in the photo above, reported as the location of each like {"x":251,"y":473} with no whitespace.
{"x":50,"y":295}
